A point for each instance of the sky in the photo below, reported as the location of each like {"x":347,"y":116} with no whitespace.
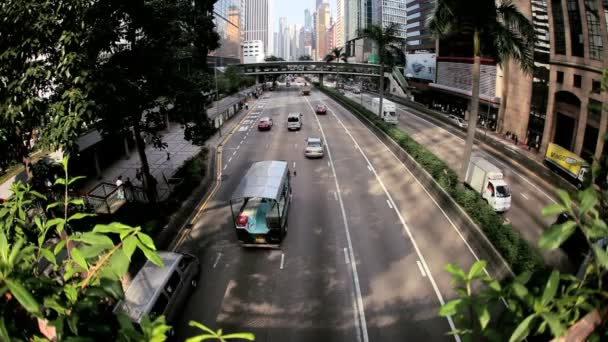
{"x":293,"y":10}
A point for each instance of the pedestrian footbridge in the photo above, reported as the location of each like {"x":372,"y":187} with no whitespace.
{"x":309,"y":68}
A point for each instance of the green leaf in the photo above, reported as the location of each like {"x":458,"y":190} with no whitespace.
{"x":119,"y":263}
{"x":4,"y":336}
{"x":588,"y":200}
{"x":520,"y":290}
{"x":59,"y":181}
{"x":241,"y":336}
{"x":71,"y":293}
{"x":451,"y":308}
{"x":79,"y":258}
{"x":566,"y":200}
{"x":146,"y":240}
{"x":79,"y":216}
{"x":553,"y":237}
{"x":483,"y":314}
{"x":477,"y":269}
{"x":48,"y":255}
{"x":15,"y":250}
{"x":58,"y":247}
{"x":557,"y":329}
{"x":152,"y":256}
{"x":23,"y":296}
{"x":524,"y":277}
{"x":112,"y":287}
{"x":53,"y":205}
{"x":601,"y":256}
{"x":94,"y":239}
{"x":75,"y":179}
{"x":113,"y":227}
{"x":523,"y":329}
{"x":553,"y":209}
{"x":128,"y":245}
{"x":550,"y":288}
{"x":77,"y":201}
{"x":457,"y":272}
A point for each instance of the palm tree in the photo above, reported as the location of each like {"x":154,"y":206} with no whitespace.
{"x":498,"y":29}
{"x":384,"y":38}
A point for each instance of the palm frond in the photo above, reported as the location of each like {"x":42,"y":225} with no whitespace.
{"x":328,"y":58}
{"x":513,"y":19}
{"x":443,"y":20}
{"x":510,"y":44}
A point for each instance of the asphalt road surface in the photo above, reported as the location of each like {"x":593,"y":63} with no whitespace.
{"x":529,"y":194}
{"x":366,"y":247}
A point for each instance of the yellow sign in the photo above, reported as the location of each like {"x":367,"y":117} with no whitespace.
{"x":564,"y":159}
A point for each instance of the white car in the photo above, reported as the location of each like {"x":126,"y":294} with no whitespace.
{"x":313,"y":148}
{"x":459,"y":121}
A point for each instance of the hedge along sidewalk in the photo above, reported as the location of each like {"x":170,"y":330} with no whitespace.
{"x":500,"y":242}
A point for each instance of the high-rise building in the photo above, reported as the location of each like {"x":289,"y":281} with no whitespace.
{"x":253,"y":51}
{"x":323,"y":17}
{"x":393,"y":12}
{"x":282,"y":26}
{"x":228,"y":24}
{"x":418,"y":36}
{"x":307,"y":19}
{"x":339,"y":29}
{"x":275,"y":50}
{"x":305,"y":42}
{"x":294,"y":45}
{"x":259,"y":22}
{"x":331,"y":37}
{"x":285,"y":43}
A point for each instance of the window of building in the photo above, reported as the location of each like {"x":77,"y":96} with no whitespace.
{"x":596,"y":86}
{"x":576,"y":29}
{"x":413,"y":16}
{"x":596,"y":45}
{"x":559,"y":31}
{"x":560,"y":77}
{"x":594,"y":111}
{"x":577,"y":81}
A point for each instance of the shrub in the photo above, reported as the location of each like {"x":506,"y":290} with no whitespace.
{"x":514,"y":249}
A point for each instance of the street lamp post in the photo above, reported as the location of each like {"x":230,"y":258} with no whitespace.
{"x":217,"y":99}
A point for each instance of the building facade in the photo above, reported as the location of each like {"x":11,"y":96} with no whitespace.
{"x":394,"y":12}
{"x":253,"y":51}
{"x":418,"y":36}
{"x":227,"y":16}
{"x":339,"y":29}
{"x":281,"y":35}
{"x":323,"y":23}
{"x":259,"y":22}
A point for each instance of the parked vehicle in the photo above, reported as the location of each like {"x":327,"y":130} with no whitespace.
{"x":568,"y":162}
{"x":265,"y":124}
{"x":306,"y":89}
{"x":388,"y":110}
{"x":321,"y":109}
{"x":157,"y":291}
{"x":458,"y":121}
{"x":270,"y":86}
{"x":488,"y":180}
{"x":262,"y":201}
{"x":357,"y":91}
{"x":313,"y":148}
{"x":294,"y":121}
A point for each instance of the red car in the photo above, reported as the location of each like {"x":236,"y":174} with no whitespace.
{"x":321,"y":109}
{"x":265,"y":124}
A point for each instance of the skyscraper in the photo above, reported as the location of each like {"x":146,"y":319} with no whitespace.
{"x":307,"y":19}
{"x":259,"y":23}
{"x":339,"y":24}
{"x":228,"y":25}
{"x":323,"y":17}
{"x":282,"y":26}
{"x":393,"y":11}
{"x":418,"y":37}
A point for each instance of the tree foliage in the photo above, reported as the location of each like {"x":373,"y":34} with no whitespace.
{"x":273,"y":58}
{"x":541,"y":304}
{"x":305,"y":58}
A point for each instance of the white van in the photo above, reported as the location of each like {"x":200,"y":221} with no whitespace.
{"x":389,"y":112}
{"x":294,"y":121}
{"x":488,"y":180}
{"x":157,"y":291}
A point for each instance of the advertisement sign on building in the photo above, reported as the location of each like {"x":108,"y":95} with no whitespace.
{"x":421,"y":65}
{"x":458,"y":76}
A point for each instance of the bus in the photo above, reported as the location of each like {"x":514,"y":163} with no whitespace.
{"x":260,"y":204}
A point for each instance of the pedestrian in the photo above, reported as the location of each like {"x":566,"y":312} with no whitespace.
{"x":121,"y":193}
{"x":138,"y":174}
{"x":168,"y":155}
{"x":129,"y":186}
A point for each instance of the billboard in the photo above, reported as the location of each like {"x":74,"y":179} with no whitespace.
{"x":421,"y":65}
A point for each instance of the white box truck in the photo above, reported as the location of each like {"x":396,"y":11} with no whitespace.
{"x":389,"y":112}
{"x":488,"y":180}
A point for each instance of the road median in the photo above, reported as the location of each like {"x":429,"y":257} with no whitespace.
{"x":498,"y":243}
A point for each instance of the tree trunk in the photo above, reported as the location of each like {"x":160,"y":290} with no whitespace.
{"x":468,"y":148}
{"x":381,"y":90}
{"x":24,"y":154}
{"x":149,"y":181}
{"x":504,"y":96}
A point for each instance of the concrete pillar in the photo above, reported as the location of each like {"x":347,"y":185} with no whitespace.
{"x":321,"y":79}
{"x":549,"y":118}
{"x":126,"y":144}
{"x":599,"y":147}
{"x":581,"y":125}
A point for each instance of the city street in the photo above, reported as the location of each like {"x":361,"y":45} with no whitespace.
{"x":366,"y":247}
{"x":529,"y":194}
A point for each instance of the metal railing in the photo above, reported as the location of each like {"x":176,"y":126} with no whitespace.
{"x":400,"y":79}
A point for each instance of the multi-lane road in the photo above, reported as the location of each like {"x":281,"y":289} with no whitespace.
{"x":529,"y":193}
{"x":364,"y":256}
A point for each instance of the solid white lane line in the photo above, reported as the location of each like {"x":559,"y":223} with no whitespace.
{"x":407,"y":230}
{"x":217,"y":259}
{"x":369,"y":168}
{"x":346,"y":256}
{"x":336,"y":195}
{"x":421,"y":268}
{"x":282,"y":260}
{"x":524,"y":195}
{"x":389,"y":204}
{"x":328,"y":164}
{"x":359,"y":298}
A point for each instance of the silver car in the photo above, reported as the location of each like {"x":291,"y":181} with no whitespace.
{"x":313,"y":148}
{"x":459,"y":121}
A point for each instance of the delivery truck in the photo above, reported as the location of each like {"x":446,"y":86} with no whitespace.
{"x":389,"y":110}
{"x":568,"y":162}
{"x":488,"y":180}
{"x":305,"y":89}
